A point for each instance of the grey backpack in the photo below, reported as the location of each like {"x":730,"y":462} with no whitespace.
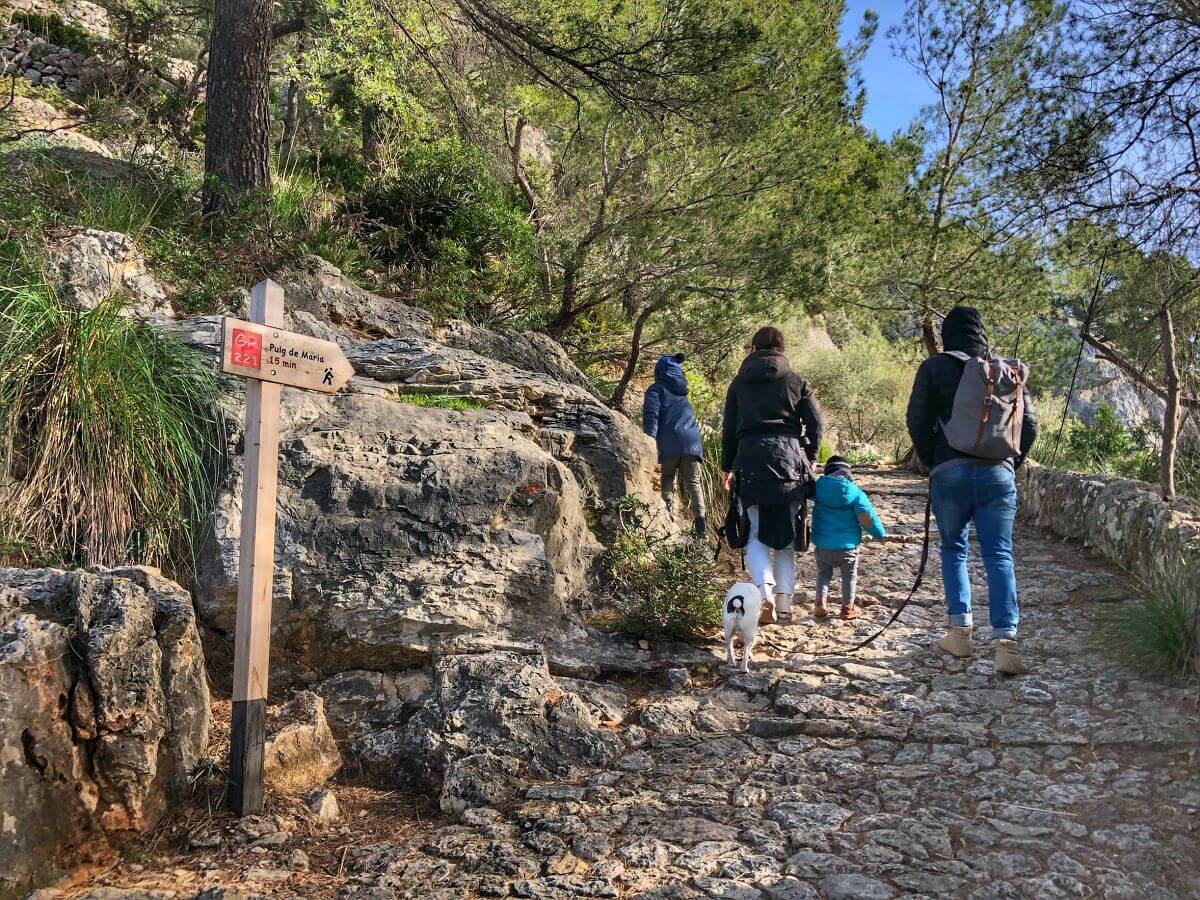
{"x":989,"y":406}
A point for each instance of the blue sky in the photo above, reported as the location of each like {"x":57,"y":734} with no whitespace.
{"x":894,"y":91}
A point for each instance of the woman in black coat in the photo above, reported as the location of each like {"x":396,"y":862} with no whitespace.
{"x":770,"y":435}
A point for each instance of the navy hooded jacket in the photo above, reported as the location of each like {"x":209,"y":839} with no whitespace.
{"x":667,"y":415}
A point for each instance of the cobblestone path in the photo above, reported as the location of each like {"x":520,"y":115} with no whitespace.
{"x":897,"y":772}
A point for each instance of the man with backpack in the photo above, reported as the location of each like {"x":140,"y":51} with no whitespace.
{"x":972,"y":423}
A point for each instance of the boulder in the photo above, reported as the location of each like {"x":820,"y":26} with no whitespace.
{"x":401,"y":527}
{"x":491,"y":719}
{"x":300,"y":753}
{"x":104,"y":712}
{"x":609,"y":456}
{"x":96,"y":265}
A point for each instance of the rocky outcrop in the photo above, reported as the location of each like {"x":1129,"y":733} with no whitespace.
{"x":1125,"y":521}
{"x":406,"y":528}
{"x":92,"y":17}
{"x":402,"y":527}
{"x":1101,"y":383}
{"x":94,"y":266}
{"x":104,"y":712}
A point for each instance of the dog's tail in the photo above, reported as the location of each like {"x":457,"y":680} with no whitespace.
{"x":736,"y":605}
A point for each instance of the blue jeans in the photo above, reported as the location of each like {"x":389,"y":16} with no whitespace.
{"x":986,"y":495}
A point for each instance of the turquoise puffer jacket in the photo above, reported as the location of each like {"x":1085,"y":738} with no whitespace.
{"x":838,"y":504}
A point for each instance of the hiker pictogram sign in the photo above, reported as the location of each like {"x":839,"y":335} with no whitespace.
{"x":268,"y":357}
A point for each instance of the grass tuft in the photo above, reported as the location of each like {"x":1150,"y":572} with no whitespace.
{"x":110,"y":431}
{"x":441,"y":401}
{"x":1159,"y":632}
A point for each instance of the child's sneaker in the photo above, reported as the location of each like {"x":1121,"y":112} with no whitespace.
{"x":957,"y":641}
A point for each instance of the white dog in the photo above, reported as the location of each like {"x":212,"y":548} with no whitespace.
{"x":743,"y":602}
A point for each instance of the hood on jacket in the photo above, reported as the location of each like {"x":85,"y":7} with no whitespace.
{"x":962,"y":330}
{"x":764,"y":365}
{"x":668,"y":372}
{"x":834,"y":492}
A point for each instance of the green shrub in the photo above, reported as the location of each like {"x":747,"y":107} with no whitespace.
{"x":441,"y":401}
{"x":1105,"y":447}
{"x":159,"y":205}
{"x":670,"y":588}
{"x":110,"y":435}
{"x":445,"y":220}
{"x":1159,"y":631}
{"x":863,"y":389}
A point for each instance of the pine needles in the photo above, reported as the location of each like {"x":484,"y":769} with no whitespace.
{"x":109,"y":434}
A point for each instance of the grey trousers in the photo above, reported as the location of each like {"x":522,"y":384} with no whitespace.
{"x":846,"y":561}
{"x":687,"y":470}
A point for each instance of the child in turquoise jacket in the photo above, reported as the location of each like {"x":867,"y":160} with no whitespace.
{"x":840,"y":513}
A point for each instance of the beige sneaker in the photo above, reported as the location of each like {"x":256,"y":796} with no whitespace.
{"x":783,"y":607}
{"x":1008,"y":660}
{"x":957,"y":641}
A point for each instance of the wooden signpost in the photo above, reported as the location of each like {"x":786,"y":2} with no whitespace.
{"x":261,"y":351}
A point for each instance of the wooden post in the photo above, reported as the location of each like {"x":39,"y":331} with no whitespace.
{"x":252,"y":640}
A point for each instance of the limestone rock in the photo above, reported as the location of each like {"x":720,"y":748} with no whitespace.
{"x":509,"y":705}
{"x":103,"y":712}
{"x":530,"y":351}
{"x":318,"y":288}
{"x":96,"y":265}
{"x":300,"y":753}
{"x":400,"y":528}
{"x":323,"y":804}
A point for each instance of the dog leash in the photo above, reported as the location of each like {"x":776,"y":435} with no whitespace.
{"x":916,"y":584}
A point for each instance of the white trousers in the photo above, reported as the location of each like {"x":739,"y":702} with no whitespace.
{"x":776,"y":575}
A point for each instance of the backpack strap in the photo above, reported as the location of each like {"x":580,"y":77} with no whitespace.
{"x":989,"y":379}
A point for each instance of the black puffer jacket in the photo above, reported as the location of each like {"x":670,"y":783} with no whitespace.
{"x":771,"y":429}
{"x":932,"y":399}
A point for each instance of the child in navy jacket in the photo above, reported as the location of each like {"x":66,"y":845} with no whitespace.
{"x":667,"y":416}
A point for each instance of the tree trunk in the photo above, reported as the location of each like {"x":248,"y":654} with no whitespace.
{"x":237,"y":114}
{"x":291,"y":116}
{"x":929,"y":335}
{"x":1166,"y":467}
{"x":369,"y":124}
{"x":635,"y":355}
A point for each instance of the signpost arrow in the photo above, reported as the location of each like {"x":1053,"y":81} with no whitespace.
{"x":261,"y":351}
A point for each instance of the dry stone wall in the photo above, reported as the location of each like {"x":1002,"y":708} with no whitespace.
{"x":1125,"y":521}
{"x":89,"y":16}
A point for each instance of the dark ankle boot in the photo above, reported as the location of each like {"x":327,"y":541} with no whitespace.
{"x":700,"y":526}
